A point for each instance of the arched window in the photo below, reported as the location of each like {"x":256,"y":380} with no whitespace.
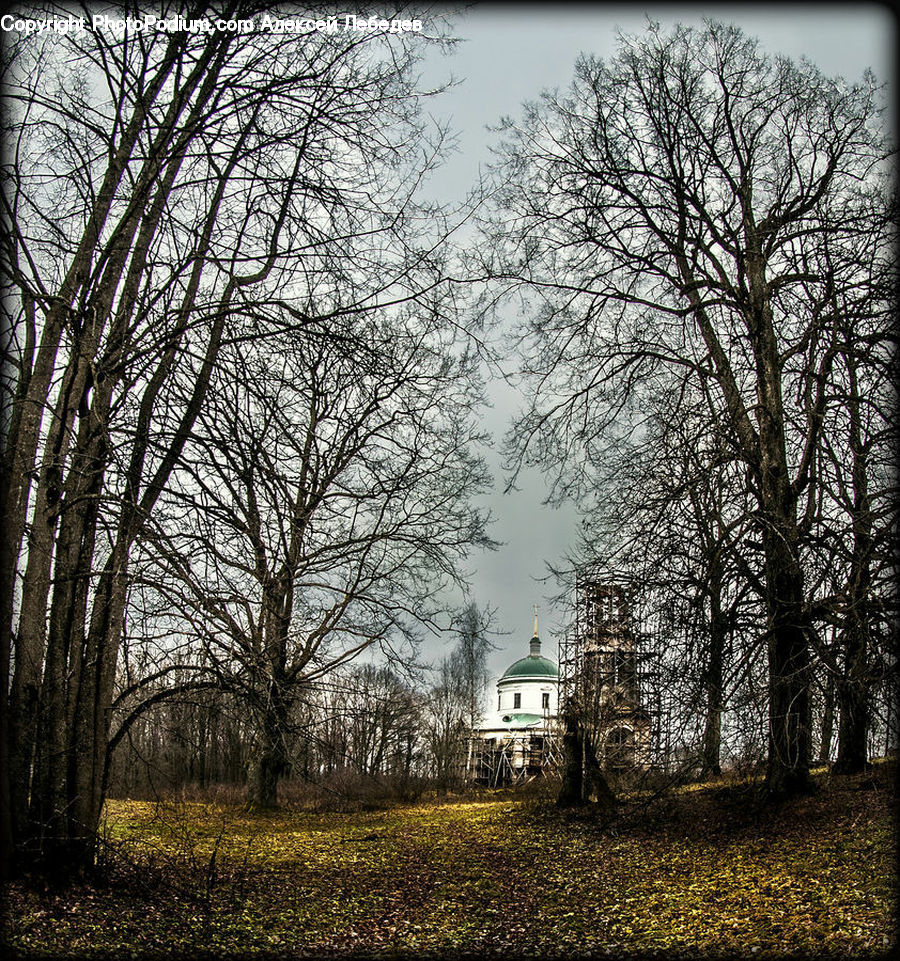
{"x":619,"y":751}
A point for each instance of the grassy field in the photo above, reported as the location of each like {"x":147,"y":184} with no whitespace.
{"x":706,"y":873}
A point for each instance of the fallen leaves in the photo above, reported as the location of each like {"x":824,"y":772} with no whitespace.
{"x":497,"y":878}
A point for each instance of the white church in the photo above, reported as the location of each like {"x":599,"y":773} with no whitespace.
{"x":520,"y":739}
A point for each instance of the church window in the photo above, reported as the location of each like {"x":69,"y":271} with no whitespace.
{"x":545,"y":701}
{"x":517,"y":701}
{"x":620,"y":749}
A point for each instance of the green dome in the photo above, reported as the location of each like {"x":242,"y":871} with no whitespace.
{"x":531,"y":666}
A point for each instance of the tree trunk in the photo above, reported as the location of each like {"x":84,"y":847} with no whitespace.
{"x":711,"y":765}
{"x":789,"y":703}
{"x":712,"y":731}
{"x":266,"y":768}
{"x":853,"y":688}
{"x":788,"y":641}
{"x":827,"y":729}
{"x":262,"y":780}
{"x":19,"y":459}
{"x":583,"y":780}
{"x":269,"y":761}
{"x":596,"y":787}
{"x":853,"y":701}
{"x":571,"y":789}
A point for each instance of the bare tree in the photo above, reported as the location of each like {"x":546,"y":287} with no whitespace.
{"x":469,"y":658}
{"x":445,"y":727}
{"x":855,"y":519}
{"x":668,"y":211}
{"x":454,"y":702}
{"x":164,"y":194}
{"x":381,"y":716}
{"x":666,"y":509}
{"x":321,"y":506}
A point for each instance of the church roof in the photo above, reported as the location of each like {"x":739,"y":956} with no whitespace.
{"x":519,"y":719}
{"x":531,"y":666}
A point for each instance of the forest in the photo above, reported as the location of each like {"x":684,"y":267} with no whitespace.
{"x":245,"y":360}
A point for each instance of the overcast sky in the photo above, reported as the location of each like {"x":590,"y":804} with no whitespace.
{"x":509,"y":54}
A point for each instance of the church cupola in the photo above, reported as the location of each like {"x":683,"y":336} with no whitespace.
{"x":535,"y":640}
{"x":527,"y":692}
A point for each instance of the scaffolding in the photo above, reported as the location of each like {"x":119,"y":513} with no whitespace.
{"x":607,"y":676}
{"x":609,"y":679}
{"x":513,"y":757}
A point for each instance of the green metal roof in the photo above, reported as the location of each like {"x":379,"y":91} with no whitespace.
{"x":521,"y":720}
{"x":531,"y":666}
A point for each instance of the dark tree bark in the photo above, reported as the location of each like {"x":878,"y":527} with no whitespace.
{"x":714,"y":688}
{"x":595,"y":788}
{"x":854,"y":684}
{"x":571,"y":792}
{"x":853,"y":697}
{"x":269,"y":761}
{"x":826,"y":731}
{"x":583,"y":779}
